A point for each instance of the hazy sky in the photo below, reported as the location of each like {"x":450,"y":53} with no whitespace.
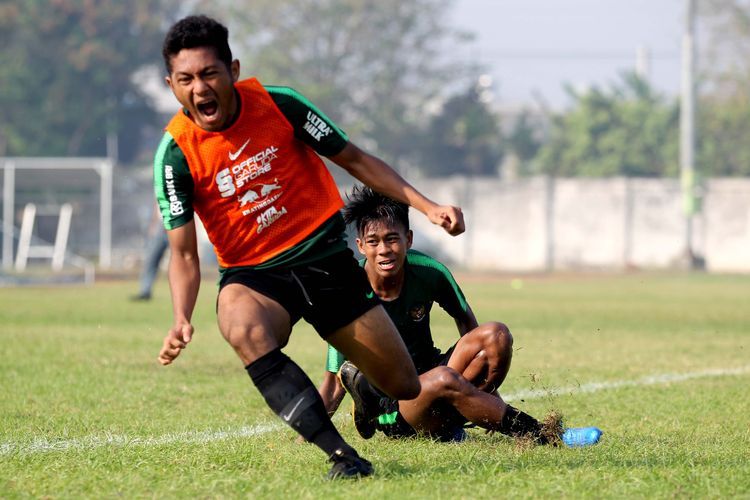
{"x":537,"y":45}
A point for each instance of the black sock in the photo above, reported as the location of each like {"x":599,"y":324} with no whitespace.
{"x":519,"y":424}
{"x":292,"y":396}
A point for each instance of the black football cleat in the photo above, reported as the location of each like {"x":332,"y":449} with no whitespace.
{"x":366,"y":401}
{"x":348,"y":465}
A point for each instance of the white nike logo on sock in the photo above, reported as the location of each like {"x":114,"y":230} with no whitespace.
{"x":233,"y":156}
{"x":288,"y":416}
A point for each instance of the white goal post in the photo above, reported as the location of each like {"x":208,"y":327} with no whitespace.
{"x":14,"y":167}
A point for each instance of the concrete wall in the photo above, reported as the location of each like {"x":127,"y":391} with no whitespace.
{"x":542,"y":224}
{"x":528,"y":225}
{"x":727,"y":225}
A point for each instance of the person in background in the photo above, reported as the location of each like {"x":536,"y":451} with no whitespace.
{"x":156,"y":246}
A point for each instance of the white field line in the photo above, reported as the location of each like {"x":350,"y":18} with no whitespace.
{"x":42,"y":445}
{"x":664,"y":378}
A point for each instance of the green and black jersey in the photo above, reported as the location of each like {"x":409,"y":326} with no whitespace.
{"x":426,"y":281}
{"x":310,"y":126}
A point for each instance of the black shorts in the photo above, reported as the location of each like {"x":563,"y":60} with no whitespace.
{"x":446,"y":356}
{"x":394,"y":426}
{"x":328,"y":293}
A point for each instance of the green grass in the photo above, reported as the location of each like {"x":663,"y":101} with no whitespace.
{"x":86,"y":411}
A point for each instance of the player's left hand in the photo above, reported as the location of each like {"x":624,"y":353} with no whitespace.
{"x":449,"y":218}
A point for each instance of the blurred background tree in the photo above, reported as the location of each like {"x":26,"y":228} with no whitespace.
{"x":627,"y":129}
{"x":66,"y":73}
{"x":724,"y":101}
{"x":375,"y":67}
{"x":73,"y":72}
{"x":630,"y":130}
{"x":522,"y":142}
{"x":464,"y":137}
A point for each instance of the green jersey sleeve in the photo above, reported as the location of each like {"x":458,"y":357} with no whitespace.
{"x":310,"y":125}
{"x":173,"y":184}
{"x":334,"y":359}
{"x":450,"y":296}
{"x":446,"y":291}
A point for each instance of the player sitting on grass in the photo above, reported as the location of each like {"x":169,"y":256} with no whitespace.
{"x":458,"y":386}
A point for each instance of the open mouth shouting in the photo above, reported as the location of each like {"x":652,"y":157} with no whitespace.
{"x":387,"y":265}
{"x":208,"y":108}
{"x":208,"y":111}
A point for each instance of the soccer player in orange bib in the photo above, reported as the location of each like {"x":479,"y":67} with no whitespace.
{"x":244,"y":157}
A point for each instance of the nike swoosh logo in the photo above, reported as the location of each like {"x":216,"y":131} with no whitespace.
{"x":370,"y":294}
{"x":233,"y":156}
{"x":288,"y":416}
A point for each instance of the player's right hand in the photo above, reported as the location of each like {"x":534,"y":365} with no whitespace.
{"x":176,"y":340}
{"x":449,"y":218}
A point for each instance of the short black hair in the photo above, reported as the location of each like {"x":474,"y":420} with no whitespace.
{"x":196,"y":31}
{"x":365,"y":206}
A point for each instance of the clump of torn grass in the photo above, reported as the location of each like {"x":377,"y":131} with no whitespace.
{"x":551,"y":433}
{"x":552,"y":428}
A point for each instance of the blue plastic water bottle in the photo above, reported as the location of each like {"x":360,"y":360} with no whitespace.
{"x":577,"y":437}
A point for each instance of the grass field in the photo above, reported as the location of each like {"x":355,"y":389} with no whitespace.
{"x":659,"y":362}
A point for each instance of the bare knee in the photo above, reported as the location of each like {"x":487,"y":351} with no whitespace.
{"x":443,"y":382}
{"x":495,"y":337}
{"x":250,"y":343}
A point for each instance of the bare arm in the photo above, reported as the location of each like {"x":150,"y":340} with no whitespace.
{"x":332,"y":392}
{"x":184,"y":283}
{"x":378,"y":175}
{"x":467,"y":323}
